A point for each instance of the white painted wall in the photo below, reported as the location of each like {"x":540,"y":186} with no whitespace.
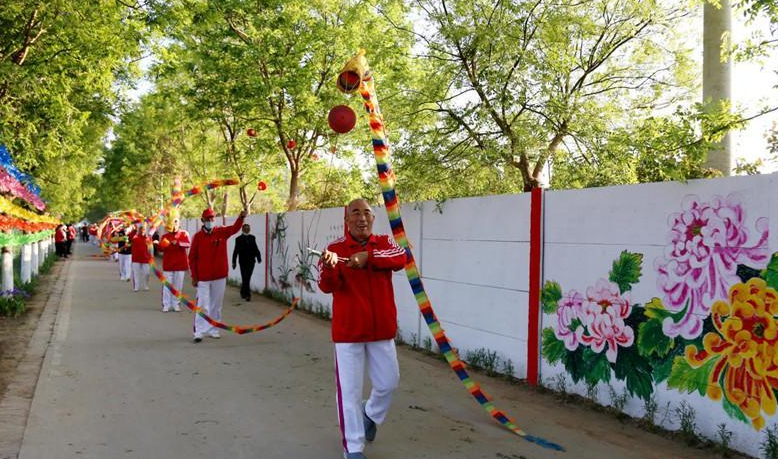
{"x":473,"y":255}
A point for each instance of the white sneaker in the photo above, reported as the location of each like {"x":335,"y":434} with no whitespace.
{"x":165,"y":309}
{"x":176,"y":308}
{"x":146,"y":289}
{"x":198,"y":337}
{"x":215,"y":335}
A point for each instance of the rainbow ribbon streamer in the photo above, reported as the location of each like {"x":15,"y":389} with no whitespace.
{"x":179,"y":198}
{"x":387,"y":180}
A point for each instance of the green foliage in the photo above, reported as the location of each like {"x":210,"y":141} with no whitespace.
{"x":771,"y":272}
{"x":626,"y":270}
{"x":61,"y":64}
{"x":553,"y":349}
{"x":550,"y":296}
{"x":769,"y":445}
{"x":636,"y":371}
{"x":684,"y":378}
{"x":12,"y":305}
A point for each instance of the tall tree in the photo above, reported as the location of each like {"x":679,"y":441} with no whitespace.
{"x":527,"y":76}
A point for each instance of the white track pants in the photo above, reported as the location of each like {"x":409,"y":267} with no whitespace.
{"x":210,"y":295}
{"x":384,"y":372}
{"x":125,"y":267}
{"x":176,"y":278}
{"x":140,"y":276}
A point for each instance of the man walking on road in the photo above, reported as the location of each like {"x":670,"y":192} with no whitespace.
{"x":208,"y":265}
{"x":174,"y":263}
{"x":357,"y":270}
{"x":246,"y":252}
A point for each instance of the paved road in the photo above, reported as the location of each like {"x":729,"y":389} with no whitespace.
{"x":121,"y":379}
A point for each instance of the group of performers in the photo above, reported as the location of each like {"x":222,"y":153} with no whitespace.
{"x":356,"y":269}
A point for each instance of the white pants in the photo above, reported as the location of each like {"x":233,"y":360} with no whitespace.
{"x":125,"y":266}
{"x":140,"y":276}
{"x":384,"y":374}
{"x":115,"y":256}
{"x":176,"y":279}
{"x":210,"y":295}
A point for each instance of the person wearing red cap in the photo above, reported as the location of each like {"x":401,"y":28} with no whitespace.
{"x":140,"y":258}
{"x":175,"y":263}
{"x":208,"y":267}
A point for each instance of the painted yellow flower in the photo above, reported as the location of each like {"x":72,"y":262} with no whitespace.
{"x":746,"y":346}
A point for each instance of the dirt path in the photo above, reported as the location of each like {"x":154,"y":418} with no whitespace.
{"x":120,"y":379}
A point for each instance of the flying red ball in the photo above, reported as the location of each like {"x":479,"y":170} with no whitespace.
{"x":342,"y":119}
{"x":291,"y":144}
{"x":251,"y":132}
{"x":261,"y":186}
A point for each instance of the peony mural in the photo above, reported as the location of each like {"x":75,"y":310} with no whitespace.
{"x":712,"y":329}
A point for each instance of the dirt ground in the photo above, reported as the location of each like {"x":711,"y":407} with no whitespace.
{"x":15,"y":333}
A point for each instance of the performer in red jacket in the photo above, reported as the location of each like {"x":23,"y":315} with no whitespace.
{"x":357,"y":270}
{"x":140,"y":258}
{"x":175,"y":263}
{"x":208,"y":266}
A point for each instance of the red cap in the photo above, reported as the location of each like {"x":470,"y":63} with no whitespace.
{"x":208,"y":213}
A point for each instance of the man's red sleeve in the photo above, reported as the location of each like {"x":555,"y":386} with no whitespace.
{"x":388,"y":255}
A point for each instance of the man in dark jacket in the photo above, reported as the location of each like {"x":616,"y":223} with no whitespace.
{"x":245,"y":252}
{"x":357,"y":270}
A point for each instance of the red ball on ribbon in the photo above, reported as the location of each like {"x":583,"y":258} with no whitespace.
{"x":251,"y":132}
{"x":342,"y":119}
{"x":261,"y":186}
{"x":291,"y":144}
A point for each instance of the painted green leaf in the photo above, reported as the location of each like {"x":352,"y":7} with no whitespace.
{"x":663,"y":365}
{"x":771,"y":273}
{"x":636,"y":371}
{"x":626,"y":270}
{"x":597,"y":367}
{"x":652,"y":339}
{"x":553,"y":349}
{"x":550,"y":296}
{"x":730,"y":408}
{"x":684,"y":378}
{"x":575,"y":365}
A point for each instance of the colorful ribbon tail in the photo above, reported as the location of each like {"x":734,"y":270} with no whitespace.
{"x":544,"y":443}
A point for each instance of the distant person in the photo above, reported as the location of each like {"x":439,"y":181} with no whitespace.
{"x":246,"y":253}
{"x":140,"y":258}
{"x":84,"y":233}
{"x":357,"y":270}
{"x":71,"y":237}
{"x":175,"y":263}
{"x":60,"y":241}
{"x":124,"y":251}
{"x":208,"y":266}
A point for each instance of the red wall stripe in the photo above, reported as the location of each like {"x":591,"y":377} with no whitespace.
{"x":535,"y":254}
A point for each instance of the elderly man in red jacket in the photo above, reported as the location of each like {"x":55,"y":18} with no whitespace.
{"x":175,"y":263}
{"x":357,"y":270}
{"x":208,"y":266}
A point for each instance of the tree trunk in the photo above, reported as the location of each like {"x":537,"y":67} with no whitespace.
{"x":292,"y":202}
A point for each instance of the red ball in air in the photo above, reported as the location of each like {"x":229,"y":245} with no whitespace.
{"x":342,"y":119}
{"x":261,"y":186}
{"x":291,"y":144}
{"x":251,"y":132}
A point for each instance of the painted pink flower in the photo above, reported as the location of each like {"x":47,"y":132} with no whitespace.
{"x":569,"y":309}
{"x":602,"y":317}
{"x":707,"y":241}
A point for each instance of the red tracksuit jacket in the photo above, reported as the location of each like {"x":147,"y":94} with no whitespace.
{"x":363,"y":306}
{"x":140,"y":249}
{"x":208,"y":255}
{"x":173,"y":247}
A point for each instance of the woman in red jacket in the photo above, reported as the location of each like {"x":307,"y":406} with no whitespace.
{"x":357,"y":270}
{"x":208,"y":265}
{"x":60,"y":241}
